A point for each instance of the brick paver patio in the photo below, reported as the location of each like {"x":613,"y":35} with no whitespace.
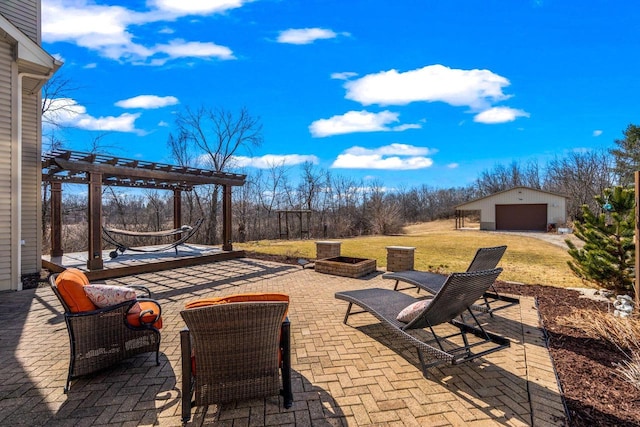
{"x":352,"y":374}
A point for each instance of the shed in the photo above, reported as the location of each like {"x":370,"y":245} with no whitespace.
{"x":519,"y":208}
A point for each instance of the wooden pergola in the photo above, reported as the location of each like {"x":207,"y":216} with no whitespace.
{"x":96,"y":170}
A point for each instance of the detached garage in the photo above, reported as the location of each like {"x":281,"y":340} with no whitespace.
{"x":520,"y":208}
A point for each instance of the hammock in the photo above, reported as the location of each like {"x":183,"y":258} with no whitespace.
{"x":113,"y":236}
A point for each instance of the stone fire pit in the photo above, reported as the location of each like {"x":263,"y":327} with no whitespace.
{"x":346,"y":266}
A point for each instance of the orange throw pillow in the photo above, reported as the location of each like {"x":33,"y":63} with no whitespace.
{"x":71,"y":283}
{"x":133,"y":317}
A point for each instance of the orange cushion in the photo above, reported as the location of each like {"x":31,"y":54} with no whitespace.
{"x":239,"y":298}
{"x":133,"y":317}
{"x":71,"y":283}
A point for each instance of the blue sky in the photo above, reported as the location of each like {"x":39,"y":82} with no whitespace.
{"x":406,"y":93}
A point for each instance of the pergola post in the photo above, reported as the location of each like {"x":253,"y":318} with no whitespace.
{"x":177,"y":211}
{"x":226,"y":218}
{"x":637,"y":263}
{"x":94,"y":261}
{"x":56,"y":220}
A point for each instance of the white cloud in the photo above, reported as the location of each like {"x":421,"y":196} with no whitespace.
{"x":67,"y":20}
{"x":597,"y":132}
{"x":163,"y":124}
{"x":345,"y":75}
{"x":477,"y":89}
{"x":109,"y":30}
{"x":407,"y":126}
{"x":122,"y":123}
{"x":196,"y":7}
{"x":90,"y":66}
{"x":305,"y":35}
{"x":357,"y":121}
{"x":66,"y":112}
{"x":271,"y":160}
{"x":499,"y":115}
{"x":147,"y":102}
{"x":183,"y":49}
{"x":395,"y":149}
{"x":453,"y":165}
{"x":391,"y":157}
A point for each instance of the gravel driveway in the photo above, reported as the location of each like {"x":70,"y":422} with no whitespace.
{"x":554,"y":238}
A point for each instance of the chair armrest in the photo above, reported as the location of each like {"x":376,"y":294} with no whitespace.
{"x":285,"y":341}
{"x":285,"y":349}
{"x":187,"y":374}
{"x":144,"y":291}
{"x":127,"y":304}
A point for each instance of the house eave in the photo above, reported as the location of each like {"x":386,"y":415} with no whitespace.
{"x":29,"y":56}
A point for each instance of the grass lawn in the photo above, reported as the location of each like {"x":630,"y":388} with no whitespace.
{"x":440,"y":247}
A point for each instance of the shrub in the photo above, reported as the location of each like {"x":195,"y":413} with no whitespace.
{"x":621,"y":332}
{"x":608,"y":256}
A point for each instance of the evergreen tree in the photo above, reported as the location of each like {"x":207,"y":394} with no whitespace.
{"x":627,"y":155}
{"x":608,"y":255}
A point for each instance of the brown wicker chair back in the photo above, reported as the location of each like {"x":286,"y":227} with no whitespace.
{"x":235,"y":351}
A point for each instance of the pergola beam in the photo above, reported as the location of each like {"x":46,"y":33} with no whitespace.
{"x":143,"y":173}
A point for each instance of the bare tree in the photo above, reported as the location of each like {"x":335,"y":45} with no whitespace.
{"x":184,"y":156}
{"x":580,"y":176}
{"x":218,"y":134}
{"x":56,"y":95}
{"x":502,"y":178}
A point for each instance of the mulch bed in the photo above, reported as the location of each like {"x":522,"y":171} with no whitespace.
{"x":594,"y":393}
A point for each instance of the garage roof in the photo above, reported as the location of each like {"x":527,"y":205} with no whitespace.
{"x":462,"y":205}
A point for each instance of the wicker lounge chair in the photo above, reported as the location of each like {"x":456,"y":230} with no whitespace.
{"x":234,"y":351}
{"x":455,"y":297}
{"x":102,"y":337}
{"x":484,"y":259}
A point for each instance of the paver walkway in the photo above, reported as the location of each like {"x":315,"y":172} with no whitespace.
{"x":351,"y":375}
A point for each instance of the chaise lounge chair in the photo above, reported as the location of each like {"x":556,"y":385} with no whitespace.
{"x":484,"y":259}
{"x":421,"y":316}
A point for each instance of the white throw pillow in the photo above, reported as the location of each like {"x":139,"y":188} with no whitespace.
{"x":108,"y":295}
{"x":411,"y":311}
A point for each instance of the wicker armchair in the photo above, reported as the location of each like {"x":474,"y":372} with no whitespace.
{"x":102,"y":337}
{"x":233,"y":351}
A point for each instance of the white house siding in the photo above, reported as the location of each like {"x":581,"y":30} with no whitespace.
{"x":31,"y":178}
{"x":6,"y":246}
{"x":556,"y":205}
{"x":24,"y":14}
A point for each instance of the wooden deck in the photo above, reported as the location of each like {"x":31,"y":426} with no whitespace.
{"x":130,"y":262}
